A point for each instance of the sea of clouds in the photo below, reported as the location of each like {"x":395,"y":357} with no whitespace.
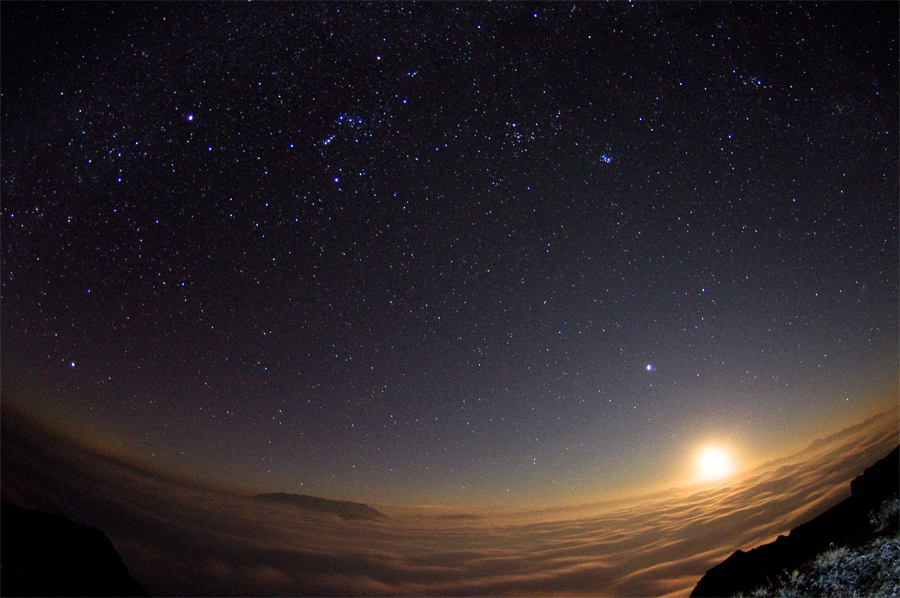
{"x":180,"y":539}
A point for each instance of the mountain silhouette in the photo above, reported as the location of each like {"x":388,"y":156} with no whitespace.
{"x":342,"y":508}
{"x":845,"y":524}
{"x":45,"y":554}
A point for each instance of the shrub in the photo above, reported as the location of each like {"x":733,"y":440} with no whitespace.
{"x":872,"y":569}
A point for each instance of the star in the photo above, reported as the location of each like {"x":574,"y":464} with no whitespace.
{"x":486,"y":251}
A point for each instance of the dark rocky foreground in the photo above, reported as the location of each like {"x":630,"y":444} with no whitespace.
{"x":845,"y":524}
{"x":44,"y":554}
{"x":342,"y":508}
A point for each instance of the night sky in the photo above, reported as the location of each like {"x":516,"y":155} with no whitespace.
{"x":448,"y":253}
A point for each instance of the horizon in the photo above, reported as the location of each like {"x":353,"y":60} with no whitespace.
{"x":180,"y":538}
{"x":16,"y":418}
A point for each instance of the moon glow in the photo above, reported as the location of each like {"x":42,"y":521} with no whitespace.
{"x":714,"y":463}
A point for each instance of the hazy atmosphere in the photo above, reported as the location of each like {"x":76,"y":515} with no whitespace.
{"x":181,"y":539}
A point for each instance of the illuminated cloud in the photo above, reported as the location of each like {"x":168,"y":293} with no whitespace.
{"x":180,"y":539}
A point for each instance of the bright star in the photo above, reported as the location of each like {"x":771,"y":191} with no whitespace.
{"x":649,"y":367}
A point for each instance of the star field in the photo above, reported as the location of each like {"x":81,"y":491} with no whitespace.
{"x":444,"y":253}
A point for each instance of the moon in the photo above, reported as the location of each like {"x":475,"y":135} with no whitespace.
{"x":714,"y":463}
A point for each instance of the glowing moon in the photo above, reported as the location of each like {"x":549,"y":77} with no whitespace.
{"x":714,"y":464}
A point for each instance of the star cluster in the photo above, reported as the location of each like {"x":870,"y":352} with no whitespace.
{"x":447,"y":252}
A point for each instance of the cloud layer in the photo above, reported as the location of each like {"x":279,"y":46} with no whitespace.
{"x":179,"y":539}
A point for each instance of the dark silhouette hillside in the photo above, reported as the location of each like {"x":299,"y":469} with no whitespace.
{"x":342,"y":508}
{"x":845,"y":524}
{"x":44,"y":554}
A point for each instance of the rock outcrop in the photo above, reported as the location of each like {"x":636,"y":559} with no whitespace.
{"x":44,"y":554}
{"x":342,"y":508}
{"x":845,"y":524}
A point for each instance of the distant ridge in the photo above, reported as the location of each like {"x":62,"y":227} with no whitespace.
{"x":342,"y":508}
{"x":845,"y":524}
